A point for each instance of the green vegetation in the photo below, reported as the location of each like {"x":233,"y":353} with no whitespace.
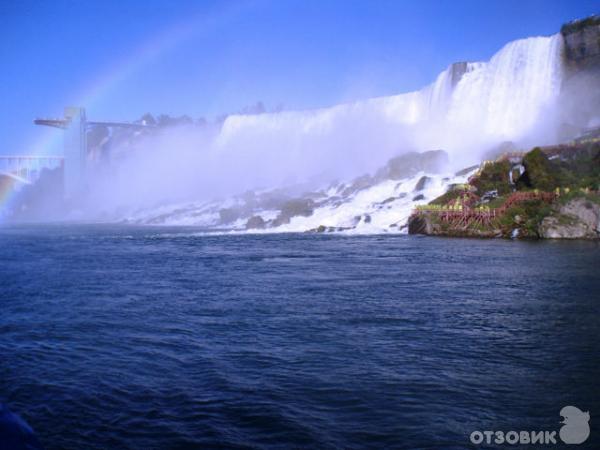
{"x":574,"y":169}
{"x":540,"y":173}
{"x":445,"y":198}
{"x":494,"y":176}
{"x":526,"y":216}
{"x":582,"y":169}
{"x":497,"y":202}
{"x":576,"y":193}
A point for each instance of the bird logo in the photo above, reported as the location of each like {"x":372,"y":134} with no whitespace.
{"x":575,"y":427}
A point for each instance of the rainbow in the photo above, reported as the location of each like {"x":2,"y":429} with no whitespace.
{"x":100,"y":87}
{"x":7,"y":190}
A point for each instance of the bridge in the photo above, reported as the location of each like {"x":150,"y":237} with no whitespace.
{"x":26,"y":169}
{"x":75,"y":158}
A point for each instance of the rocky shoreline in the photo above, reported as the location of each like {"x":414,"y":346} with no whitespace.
{"x":579,"y":218}
{"x":547,"y":193}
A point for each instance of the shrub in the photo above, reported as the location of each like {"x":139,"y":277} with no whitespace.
{"x":494,"y":176}
{"x":539,"y":172}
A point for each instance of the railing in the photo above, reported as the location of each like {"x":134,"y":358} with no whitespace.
{"x":463,"y":215}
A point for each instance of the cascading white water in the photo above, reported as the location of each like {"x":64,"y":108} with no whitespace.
{"x":505,"y":99}
{"x":467,"y":110}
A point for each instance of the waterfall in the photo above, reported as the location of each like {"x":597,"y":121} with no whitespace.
{"x":507,"y":96}
{"x":467,"y":109}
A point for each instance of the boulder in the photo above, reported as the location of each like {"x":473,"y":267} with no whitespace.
{"x":419,"y":225}
{"x":578,"y":219}
{"x":255,"y":222}
{"x":423,"y":181}
{"x":292,"y":208}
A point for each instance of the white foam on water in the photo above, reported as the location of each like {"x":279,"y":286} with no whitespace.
{"x":381,"y":208}
{"x":469,"y":108}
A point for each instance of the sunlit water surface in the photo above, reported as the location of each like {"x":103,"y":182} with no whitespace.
{"x":154,"y":338}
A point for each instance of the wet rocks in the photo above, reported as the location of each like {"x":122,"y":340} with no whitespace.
{"x":360,"y":183}
{"x":466,"y":170}
{"x":325,"y":229}
{"x":422,"y":183}
{"x":409,"y":164}
{"x":255,"y":223}
{"x":420,"y":225}
{"x":295,"y":207}
{"x":582,"y":42}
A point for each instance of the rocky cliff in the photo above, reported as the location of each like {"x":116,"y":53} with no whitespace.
{"x":582,"y":42}
{"x":580,"y":88}
{"x":577,"y":219}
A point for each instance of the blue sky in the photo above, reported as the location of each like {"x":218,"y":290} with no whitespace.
{"x":122,"y":58}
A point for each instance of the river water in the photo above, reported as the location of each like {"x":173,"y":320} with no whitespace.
{"x":156,"y":338}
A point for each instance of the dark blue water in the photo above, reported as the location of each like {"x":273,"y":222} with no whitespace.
{"x":146,"y":338}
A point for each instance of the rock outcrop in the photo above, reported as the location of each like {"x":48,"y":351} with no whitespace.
{"x":582,"y":42}
{"x":292,"y":208}
{"x":578,"y":219}
{"x":410,"y":164}
{"x":422,"y":183}
{"x":555,"y":197}
{"x":457,"y":70}
{"x":255,"y":223}
{"x":420,"y":225}
{"x":580,"y":90}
